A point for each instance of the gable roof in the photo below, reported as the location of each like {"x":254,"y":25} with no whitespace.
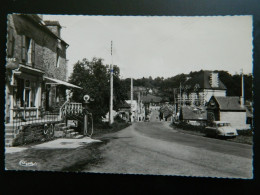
{"x":231,"y":103}
{"x":124,"y":104}
{"x":188,"y":113}
{"x":203,"y":79}
{"x":167,"y":109}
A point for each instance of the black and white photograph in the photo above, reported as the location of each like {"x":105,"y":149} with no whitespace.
{"x":146,"y":95}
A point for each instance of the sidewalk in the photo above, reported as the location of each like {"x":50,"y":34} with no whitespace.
{"x":60,"y":143}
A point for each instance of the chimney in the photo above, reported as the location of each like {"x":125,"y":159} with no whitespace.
{"x":214,"y":80}
{"x":54,"y":26}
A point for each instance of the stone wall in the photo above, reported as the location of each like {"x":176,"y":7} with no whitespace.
{"x":33,"y":133}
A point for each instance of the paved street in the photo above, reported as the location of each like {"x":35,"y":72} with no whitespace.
{"x":155,"y":148}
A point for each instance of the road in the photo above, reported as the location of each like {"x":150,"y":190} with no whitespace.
{"x":155,"y":148}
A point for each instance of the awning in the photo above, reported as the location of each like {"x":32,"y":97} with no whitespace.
{"x":59,"y":82}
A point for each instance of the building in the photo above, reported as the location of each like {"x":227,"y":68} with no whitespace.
{"x":36,"y":68}
{"x":227,"y":109}
{"x":166,"y":111}
{"x":193,"y":115}
{"x":152,"y":101}
{"x":197,"y":90}
{"x":137,"y":110}
{"x":124,"y":110}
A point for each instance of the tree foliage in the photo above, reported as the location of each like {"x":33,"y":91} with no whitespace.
{"x":94,"y":77}
{"x":166,"y":86}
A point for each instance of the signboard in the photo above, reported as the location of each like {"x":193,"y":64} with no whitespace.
{"x":72,"y":123}
{"x":12,"y":63}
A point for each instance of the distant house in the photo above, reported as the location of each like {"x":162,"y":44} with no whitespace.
{"x":197,"y":90}
{"x":151,"y":100}
{"x":166,"y":112}
{"x":124,"y":110}
{"x":137,"y":110}
{"x":227,"y":109}
{"x":193,"y":115}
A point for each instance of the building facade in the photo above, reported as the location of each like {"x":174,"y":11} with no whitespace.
{"x":36,"y":66}
{"x":197,"y":91}
{"x":227,"y":109}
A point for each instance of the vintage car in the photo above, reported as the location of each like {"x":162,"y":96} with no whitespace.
{"x":221,"y":128}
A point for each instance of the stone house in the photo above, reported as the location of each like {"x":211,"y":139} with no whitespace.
{"x":36,"y":70}
{"x":227,"y":109}
{"x":36,"y":65}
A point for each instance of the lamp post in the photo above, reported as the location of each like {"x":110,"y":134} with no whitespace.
{"x":85,"y":98}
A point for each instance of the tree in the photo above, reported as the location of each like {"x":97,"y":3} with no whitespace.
{"x":94,"y":77}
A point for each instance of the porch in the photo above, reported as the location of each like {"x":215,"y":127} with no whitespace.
{"x":24,"y":118}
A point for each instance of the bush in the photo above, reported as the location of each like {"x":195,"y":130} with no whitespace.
{"x":185,"y":126}
{"x":248,"y":132}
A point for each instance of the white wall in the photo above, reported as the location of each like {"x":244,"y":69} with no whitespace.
{"x":237,"y":119}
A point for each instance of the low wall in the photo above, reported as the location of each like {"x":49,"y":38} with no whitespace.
{"x":32,"y":133}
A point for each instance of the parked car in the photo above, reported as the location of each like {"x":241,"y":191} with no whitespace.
{"x":221,"y":128}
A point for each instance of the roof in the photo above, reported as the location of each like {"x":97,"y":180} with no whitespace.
{"x":167,"y":109}
{"x":188,"y":113}
{"x":52,"y":23}
{"x":203,"y":79}
{"x":59,"y":82}
{"x":124,"y":104}
{"x":37,"y":20}
{"x":231,"y":103}
{"x":151,"y":98}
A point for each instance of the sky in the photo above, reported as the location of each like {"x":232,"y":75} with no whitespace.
{"x":161,"y":46}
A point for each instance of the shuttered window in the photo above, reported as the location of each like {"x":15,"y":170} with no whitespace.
{"x":24,"y":49}
{"x":10,"y":45}
{"x":28,"y":50}
{"x":33,"y":53}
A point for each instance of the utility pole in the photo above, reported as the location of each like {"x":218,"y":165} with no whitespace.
{"x":111,"y":117}
{"x":242,"y":100}
{"x":131,"y":99}
{"x":180,"y":95}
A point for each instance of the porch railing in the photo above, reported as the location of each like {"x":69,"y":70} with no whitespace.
{"x":28,"y":116}
{"x":70,"y":108}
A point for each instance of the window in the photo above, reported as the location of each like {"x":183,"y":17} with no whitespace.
{"x":58,"y":51}
{"x":28,"y":50}
{"x":11,"y":42}
{"x":33,"y":93}
{"x":25,"y":94}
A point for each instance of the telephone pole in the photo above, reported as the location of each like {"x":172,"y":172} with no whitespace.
{"x":111,"y":117}
{"x":242,"y":100}
{"x":131,"y":94}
